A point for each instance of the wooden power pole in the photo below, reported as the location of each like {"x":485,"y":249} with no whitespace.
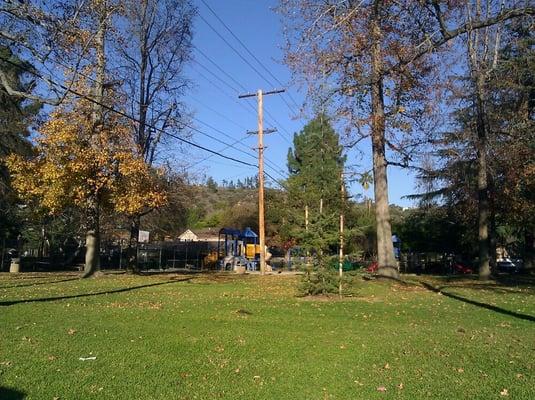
{"x":261,"y":222}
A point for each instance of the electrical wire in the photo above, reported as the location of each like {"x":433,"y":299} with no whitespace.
{"x":252,"y":55}
{"x":125,"y":115}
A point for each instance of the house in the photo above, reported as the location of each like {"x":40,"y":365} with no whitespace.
{"x":200,"y":235}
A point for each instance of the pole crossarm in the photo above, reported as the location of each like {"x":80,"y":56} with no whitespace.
{"x":274,"y":91}
{"x":266,"y":131}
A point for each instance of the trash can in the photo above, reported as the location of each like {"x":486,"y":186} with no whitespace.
{"x":14,"y":267}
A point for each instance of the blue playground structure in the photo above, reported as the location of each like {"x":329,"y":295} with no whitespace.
{"x":237,"y":248}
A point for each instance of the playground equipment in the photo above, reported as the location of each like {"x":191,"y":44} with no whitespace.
{"x":238,"y":249}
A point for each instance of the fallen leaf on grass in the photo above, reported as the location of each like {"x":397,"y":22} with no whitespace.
{"x":71,"y":331}
{"x":401,"y":386}
{"x":504,"y":392}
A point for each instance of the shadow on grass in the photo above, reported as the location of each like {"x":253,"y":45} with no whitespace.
{"x":11,"y":394}
{"x":490,"y":307}
{"x":517,"y":284}
{"x":39,"y":283}
{"x":76,"y":296}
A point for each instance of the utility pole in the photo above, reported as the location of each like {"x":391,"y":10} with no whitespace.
{"x":261,"y":222}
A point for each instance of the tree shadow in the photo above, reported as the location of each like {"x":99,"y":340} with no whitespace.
{"x":516,"y":280}
{"x":516,"y":284}
{"x":39,"y":283}
{"x":490,"y":307}
{"x":11,"y":394}
{"x":76,"y":296}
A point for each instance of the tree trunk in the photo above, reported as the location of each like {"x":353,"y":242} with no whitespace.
{"x":482,"y":182}
{"x":385,"y":248}
{"x":92,"y":241}
{"x":529,"y":250}
{"x":492,"y":226}
{"x":132,"y":260}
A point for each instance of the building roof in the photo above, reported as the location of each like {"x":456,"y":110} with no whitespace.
{"x":199,"y":234}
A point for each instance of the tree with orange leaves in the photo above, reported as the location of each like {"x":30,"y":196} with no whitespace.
{"x":78,"y":164}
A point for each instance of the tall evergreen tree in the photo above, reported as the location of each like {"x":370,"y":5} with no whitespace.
{"x":16,"y":114}
{"x":315,"y":166}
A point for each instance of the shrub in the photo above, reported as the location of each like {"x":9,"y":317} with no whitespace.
{"x":319,"y":279}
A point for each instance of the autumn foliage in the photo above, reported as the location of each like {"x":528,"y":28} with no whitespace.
{"x":75,"y":162}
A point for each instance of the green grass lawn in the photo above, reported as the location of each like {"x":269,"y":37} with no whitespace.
{"x":250,"y":337}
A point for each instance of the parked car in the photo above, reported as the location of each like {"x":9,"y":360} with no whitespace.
{"x":458,"y":268}
{"x":506,"y":265}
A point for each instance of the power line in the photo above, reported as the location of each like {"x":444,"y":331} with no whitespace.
{"x":217,"y":112}
{"x":173,"y":119}
{"x":274,"y":121}
{"x":216,"y":76}
{"x":210,"y":156}
{"x":250,"y":65}
{"x":269,"y":163}
{"x":219,"y":68}
{"x":278,"y":182}
{"x":274,"y":168}
{"x":125,"y":115}
{"x":272,"y":118}
{"x":225,"y":93}
{"x":234,"y":49}
{"x":252,"y":55}
{"x":180,"y":122}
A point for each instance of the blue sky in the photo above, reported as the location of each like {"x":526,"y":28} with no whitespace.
{"x":214,"y":96}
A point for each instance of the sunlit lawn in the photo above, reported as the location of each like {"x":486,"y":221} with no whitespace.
{"x":250,"y":337}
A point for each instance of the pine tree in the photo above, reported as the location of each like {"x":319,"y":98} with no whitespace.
{"x":16,"y":115}
{"x":315,"y":164}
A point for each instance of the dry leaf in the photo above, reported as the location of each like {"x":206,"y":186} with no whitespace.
{"x":504,"y":392}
